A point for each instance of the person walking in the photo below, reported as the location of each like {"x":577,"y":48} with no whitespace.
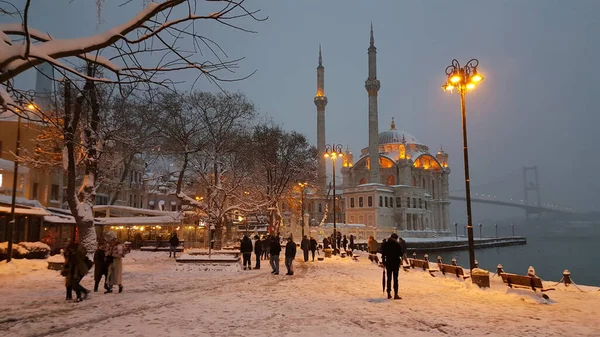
{"x":274,"y":250}
{"x":174,"y":243}
{"x":391,"y":251}
{"x":345,"y":243}
{"x":290,"y":255}
{"x":373,"y":249}
{"x":313,"y":247}
{"x":115,"y":254}
{"x":246,"y":250}
{"x":257,"y":250}
{"x":305,"y":246}
{"x":325,"y":242}
{"x":77,"y":267}
{"x":100,"y":265}
{"x":266,"y":246}
{"x":338,"y":241}
{"x":351,"y":245}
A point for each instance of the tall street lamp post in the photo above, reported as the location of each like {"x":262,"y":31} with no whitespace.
{"x":303,"y":187}
{"x":464,"y":79}
{"x":11,"y":223}
{"x":334,"y":151}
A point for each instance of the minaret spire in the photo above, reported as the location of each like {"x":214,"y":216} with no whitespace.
{"x":372,"y":85}
{"x":321,"y":101}
{"x":320,"y":57}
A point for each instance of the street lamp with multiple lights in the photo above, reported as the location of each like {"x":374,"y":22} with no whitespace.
{"x":334,"y":151}
{"x":463,"y":79}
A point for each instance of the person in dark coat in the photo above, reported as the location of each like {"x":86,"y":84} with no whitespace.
{"x":77,"y":268}
{"x":266,"y":242}
{"x":313,"y":247}
{"x":246,"y":250}
{"x":391,"y":251}
{"x":290,"y":255}
{"x":274,"y":250}
{"x":173,"y":242}
{"x":338,"y":240}
{"x":305,"y":246}
{"x":100,"y":265}
{"x":352,"y":246}
{"x":325,"y":243}
{"x":257,"y":250}
{"x":345,"y":243}
{"x":403,"y":245}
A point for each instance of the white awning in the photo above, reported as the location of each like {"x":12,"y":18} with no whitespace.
{"x":173,"y":203}
{"x":151,"y":202}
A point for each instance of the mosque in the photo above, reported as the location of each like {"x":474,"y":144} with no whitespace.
{"x":396,"y":184}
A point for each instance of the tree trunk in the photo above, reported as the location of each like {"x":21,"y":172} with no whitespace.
{"x":218,"y":237}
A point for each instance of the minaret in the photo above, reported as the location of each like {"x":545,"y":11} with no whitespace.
{"x":321,"y":102}
{"x":372,"y":85}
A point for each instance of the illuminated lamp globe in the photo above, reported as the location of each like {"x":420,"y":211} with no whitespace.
{"x":476,"y":77}
{"x":470,"y":86}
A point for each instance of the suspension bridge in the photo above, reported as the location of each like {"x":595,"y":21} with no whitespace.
{"x":530,"y":201}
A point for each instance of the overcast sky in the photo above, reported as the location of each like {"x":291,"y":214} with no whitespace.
{"x":538,"y":104}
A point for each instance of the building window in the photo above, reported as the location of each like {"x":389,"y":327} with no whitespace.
{"x":380,"y":201}
{"x":360,"y":202}
{"x":351,"y":202}
{"x":420,"y":203}
{"x":320,"y":208}
{"x":173,"y":208}
{"x":310,"y":207}
{"x":414,"y":182}
{"x":391,"y":181}
{"x":361,"y":219}
{"x":398,"y":202}
{"x":34,"y":190}
{"x":370,"y":221}
{"x":130,"y":199}
{"x":386,"y":201}
{"x":362,"y":181}
{"x":54,"y":192}
{"x":391,"y":202}
{"x":425,"y":204}
{"x":407,"y":202}
{"x":352,"y":219}
{"x":370,"y":201}
{"x":414,"y":203}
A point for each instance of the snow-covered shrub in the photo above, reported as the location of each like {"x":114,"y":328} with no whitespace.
{"x":18,"y":252}
{"x":35,"y":250}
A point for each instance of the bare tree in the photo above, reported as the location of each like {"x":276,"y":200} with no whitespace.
{"x":285,"y":158}
{"x":162,"y":29}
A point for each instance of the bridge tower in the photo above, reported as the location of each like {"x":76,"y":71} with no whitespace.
{"x":531,"y":185}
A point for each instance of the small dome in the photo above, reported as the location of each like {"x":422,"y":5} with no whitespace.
{"x":396,"y":137}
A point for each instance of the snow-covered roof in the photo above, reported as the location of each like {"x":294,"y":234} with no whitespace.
{"x":9,"y":166}
{"x":7,"y":199}
{"x":397,"y":137}
{"x":25,"y":210}
{"x":142,"y":220}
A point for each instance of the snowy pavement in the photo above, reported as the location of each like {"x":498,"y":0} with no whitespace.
{"x":336,"y":297}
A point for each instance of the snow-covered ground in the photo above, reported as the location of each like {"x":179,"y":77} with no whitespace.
{"x":336,"y":297}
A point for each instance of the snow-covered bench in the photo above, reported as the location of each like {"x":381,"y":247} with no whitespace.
{"x":452,"y":269}
{"x":421,"y":264}
{"x":527,"y":282}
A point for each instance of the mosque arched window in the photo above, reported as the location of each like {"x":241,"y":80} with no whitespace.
{"x":386,"y":201}
{"x":370,"y":201}
{"x":320,"y":208}
{"x":360,"y":202}
{"x":420,"y":203}
{"x":352,"y":219}
{"x":414,"y":202}
{"x":391,"y":180}
{"x":424,"y":183}
{"x":407,"y":202}
{"x":426,"y":204}
{"x":380,"y":201}
{"x":361,"y":219}
{"x":398,"y":202}
{"x":351,"y":202}
{"x":433,"y":188}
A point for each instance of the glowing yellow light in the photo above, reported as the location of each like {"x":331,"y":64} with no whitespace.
{"x":142,"y":228}
{"x":197,"y":198}
{"x":177,"y":228}
{"x":449,"y":87}
{"x":476,"y":77}
{"x":470,"y":86}
{"x":326,"y":155}
{"x":31,"y":107}
{"x":455,"y":78}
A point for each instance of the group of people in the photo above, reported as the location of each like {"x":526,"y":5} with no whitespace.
{"x":108,"y":263}
{"x":341,"y":241}
{"x":268,"y":247}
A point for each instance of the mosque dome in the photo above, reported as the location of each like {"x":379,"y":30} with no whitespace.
{"x":394,"y":136}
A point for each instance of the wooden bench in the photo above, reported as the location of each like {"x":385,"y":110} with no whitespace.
{"x":452,"y":270}
{"x":421,"y":264}
{"x":527,"y":282}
